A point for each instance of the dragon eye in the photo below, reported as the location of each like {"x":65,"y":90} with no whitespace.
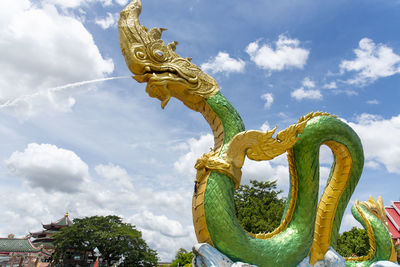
{"x":159,"y":53}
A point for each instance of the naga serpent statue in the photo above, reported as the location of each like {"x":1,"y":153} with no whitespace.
{"x":308,"y":227}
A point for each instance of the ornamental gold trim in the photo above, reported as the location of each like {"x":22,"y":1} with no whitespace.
{"x":259,"y":145}
{"x":328,"y":204}
{"x":293,"y":200}
{"x":198,"y":211}
{"x":212,"y":162}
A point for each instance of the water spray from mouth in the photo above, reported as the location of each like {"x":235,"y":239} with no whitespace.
{"x":25,"y":98}
{"x":59,"y":88}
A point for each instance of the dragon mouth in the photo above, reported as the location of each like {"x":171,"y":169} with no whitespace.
{"x":157,"y":83}
{"x":162,"y":83}
{"x":155,"y":75}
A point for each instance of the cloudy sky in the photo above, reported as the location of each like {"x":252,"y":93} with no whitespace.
{"x":107,"y":148}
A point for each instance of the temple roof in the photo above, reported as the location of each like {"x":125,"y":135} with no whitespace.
{"x":64,"y":221}
{"x":41,"y":240}
{"x":44,"y":232}
{"x":17,"y":245}
{"x":393,"y":216}
{"x":48,"y":244}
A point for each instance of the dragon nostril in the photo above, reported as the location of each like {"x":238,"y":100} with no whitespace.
{"x":140,"y":55}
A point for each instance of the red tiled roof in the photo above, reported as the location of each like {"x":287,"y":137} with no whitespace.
{"x":393,"y":231}
{"x":393,"y":216}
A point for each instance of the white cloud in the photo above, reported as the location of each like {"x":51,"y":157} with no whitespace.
{"x":308,"y":83}
{"x":325,"y":155}
{"x":67,"y":4}
{"x":77,"y":3}
{"x":287,"y":54}
{"x":303,"y":93}
{"x":122,"y":2}
{"x":373,"y":61}
{"x":269,"y":99}
{"x":197,"y":147}
{"x":115,"y":174}
{"x":49,"y":167}
{"x":223,"y":63}
{"x":106,"y":2}
{"x":349,"y":222}
{"x":372,"y":165}
{"x":265,"y":126}
{"x":373,"y":102}
{"x":380,"y":138}
{"x":161,"y":224}
{"x":57,"y":49}
{"x":331,"y":85}
{"x":275,"y":169}
{"x":323,"y":176}
{"x":107,"y":22}
{"x":166,"y":247}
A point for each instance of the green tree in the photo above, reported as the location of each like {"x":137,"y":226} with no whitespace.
{"x":353,"y":242}
{"x":258,"y":206}
{"x":116,"y":241}
{"x":183,"y":258}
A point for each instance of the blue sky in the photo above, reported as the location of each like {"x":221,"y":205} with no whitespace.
{"x":107,"y":148}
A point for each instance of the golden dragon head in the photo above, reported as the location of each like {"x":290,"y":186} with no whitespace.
{"x":151,"y":61}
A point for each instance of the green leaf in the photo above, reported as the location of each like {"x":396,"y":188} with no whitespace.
{"x":258,"y":206}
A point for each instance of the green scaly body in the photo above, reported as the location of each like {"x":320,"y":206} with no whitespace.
{"x":293,"y":244}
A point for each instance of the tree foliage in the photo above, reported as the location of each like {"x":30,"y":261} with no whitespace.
{"x":115,"y":240}
{"x":183,"y":258}
{"x":353,"y":242}
{"x":258,"y":207}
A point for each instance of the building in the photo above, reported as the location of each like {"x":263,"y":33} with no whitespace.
{"x":393,"y":218}
{"x":36,"y":249}
{"x":21,"y":252}
{"x":44,"y":238}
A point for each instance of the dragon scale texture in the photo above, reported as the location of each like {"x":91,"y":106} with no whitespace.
{"x":295,"y":241}
{"x":309,"y":227}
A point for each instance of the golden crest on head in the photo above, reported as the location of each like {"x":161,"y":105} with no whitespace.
{"x":377,"y":208}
